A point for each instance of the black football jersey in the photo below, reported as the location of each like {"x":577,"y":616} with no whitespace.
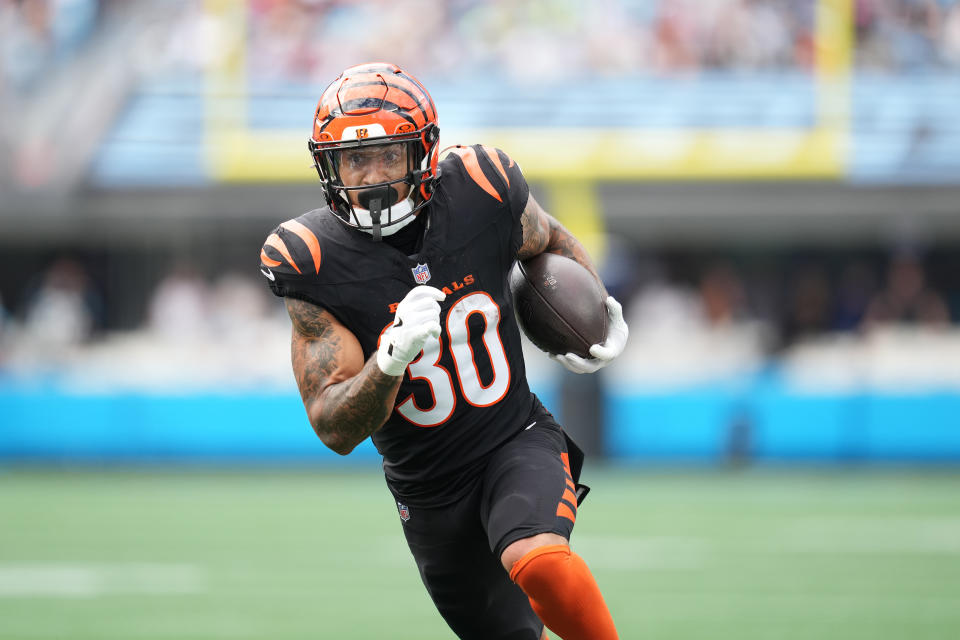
{"x":467,"y":392}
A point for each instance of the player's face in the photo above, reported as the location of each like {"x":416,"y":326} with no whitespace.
{"x":372,"y":165}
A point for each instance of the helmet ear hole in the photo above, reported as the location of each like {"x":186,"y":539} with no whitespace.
{"x":432,"y":134}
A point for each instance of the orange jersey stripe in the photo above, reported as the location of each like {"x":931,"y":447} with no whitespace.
{"x":270,"y":262}
{"x":563,"y":511}
{"x":308,"y":238}
{"x":274,"y":241}
{"x":567,"y":507}
{"x":472,"y":165}
{"x":495,"y":159}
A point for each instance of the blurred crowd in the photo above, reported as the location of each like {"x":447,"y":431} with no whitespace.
{"x":543,"y":40}
{"x":230,"y":330}
{"x":829,"y":319}
{"x":794,"y":298}
{"x":37,"y":36}
{"x":190,"y":330}
{"x":65,"y":316}
{"x":908,"y":35}
{"x":526,"y":40}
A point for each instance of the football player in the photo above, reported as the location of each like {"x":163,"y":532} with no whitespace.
{"x":404,"y":330}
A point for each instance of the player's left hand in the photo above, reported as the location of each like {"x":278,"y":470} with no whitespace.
{"x":603,"y":353}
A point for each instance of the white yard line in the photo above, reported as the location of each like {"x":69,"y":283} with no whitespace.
{"x":879,"y":535}
{"x":629,"y":553}
{"x":78,"y":580}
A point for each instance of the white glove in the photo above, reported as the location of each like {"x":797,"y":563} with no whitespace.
{"x":417,"y":319}
{"x":603,"y":354}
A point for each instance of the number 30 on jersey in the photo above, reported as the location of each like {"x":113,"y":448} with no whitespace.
{"x":427,"y":366}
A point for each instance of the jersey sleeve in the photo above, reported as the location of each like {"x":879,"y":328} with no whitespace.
{"x":515,"y":188}
{"x":497,"y":174}
{"x":289,"y":257}
{"x":515,"y":192}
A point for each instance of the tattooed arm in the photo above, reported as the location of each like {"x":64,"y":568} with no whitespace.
{"x":346,"y":398}
{"x":542,"y":233}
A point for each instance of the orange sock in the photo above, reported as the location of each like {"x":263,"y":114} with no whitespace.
{"x":564,"y":594}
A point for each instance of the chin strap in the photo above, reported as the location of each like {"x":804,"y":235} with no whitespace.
{"x":375,"y":218}
{"x":371,"y":219}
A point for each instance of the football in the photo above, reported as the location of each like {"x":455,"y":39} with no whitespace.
{"x":559,"y":304}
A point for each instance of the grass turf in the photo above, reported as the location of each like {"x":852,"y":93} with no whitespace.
{"x":296,"y":554}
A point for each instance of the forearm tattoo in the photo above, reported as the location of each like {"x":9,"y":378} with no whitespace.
{"x":536,"y":235}
{"x":564,"y":243}
{"x":342,"y":412}
{"x":315,"y":347}
{"x":355,"y":408}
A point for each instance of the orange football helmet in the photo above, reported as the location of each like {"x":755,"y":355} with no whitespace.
{"x":372,"y":105}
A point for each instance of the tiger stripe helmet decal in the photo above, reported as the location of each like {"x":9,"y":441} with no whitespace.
{"x":370,"y":89}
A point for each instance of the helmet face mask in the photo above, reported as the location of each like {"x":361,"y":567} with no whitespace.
{"x":373,"y":113}
{"x":337,"y":165}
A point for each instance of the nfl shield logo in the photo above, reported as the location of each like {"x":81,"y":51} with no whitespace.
{"x":404,"y":511}
{"x":421,"y":273}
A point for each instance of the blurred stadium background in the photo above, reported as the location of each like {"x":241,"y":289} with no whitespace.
{"x":771,"y":187}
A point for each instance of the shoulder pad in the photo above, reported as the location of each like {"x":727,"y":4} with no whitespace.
{"x":292,"y":248}
{"x":488,"y":167}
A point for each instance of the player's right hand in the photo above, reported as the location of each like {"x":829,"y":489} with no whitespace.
{"x":417,"y":320}
{"x":601,"y":354}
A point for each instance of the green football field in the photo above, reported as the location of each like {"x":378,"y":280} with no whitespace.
{"x":299,"y":554}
